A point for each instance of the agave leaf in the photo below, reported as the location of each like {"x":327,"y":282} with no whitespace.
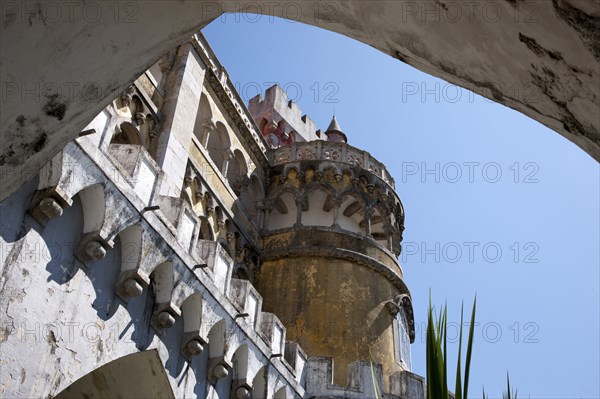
{"x":375,"y":383}
{"x":469,"y":348}
{"x":458,"y":387}
{"x":444,"y":357}
{"x":430,"y":354}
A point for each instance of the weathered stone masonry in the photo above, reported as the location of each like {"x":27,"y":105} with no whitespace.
{"x":175,"y":246}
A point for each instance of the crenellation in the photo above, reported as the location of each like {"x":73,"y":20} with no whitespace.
{"x":275,"y":107}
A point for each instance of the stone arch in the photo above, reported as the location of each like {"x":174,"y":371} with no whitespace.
{"x":428,"y":47}
{"x":319,"y":211}
{"x":94,"y":207}
{"x":284,"y":209}
{"x":241,"y":272}
{"x":105,"y":215}
{"x":127,"y":133}
{"x":237,"y":171}
{"x":259,"y":383}
{"x":351,"y":212}
{"x":218,"y":145}
{"x":136,"y":375}
{"x":252,"y":192}
{"x":163,"y":283}
{"x":240,"y":367}
{"x":193,"y":341}
{"x":132,"y":280}
{"x":217,"y":339}
{"x":204,"y":126}
{"x":206,"y":230}
{"x":219,"y":367}
{"x":281,"y":393}
{"x":381,"y":226}
{"x":191,"y":311}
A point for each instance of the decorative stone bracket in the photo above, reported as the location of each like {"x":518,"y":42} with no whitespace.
{"x":92,"y":247}
{"x":242,"y":389}
{"x":218,"y":368}
{"x":131,"y":283}
{"x":164,"y":316}
{"x":192,"y":344}
{"x":48,"y":204}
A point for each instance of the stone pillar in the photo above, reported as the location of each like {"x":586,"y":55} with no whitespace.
{"x":226,"y":159}
{"x":301,"y":204}
{"x":368,"y":216}
{"x":183,"y":89}
{"x":208,"y":128}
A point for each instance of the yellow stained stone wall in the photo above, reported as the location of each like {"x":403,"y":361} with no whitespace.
{"x":332,"y":307}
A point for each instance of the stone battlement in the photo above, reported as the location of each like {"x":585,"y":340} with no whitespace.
{"x":275,"y":107}
{"x":362,"y":377}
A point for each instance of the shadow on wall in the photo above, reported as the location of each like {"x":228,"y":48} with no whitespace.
{"x":28,"y":246}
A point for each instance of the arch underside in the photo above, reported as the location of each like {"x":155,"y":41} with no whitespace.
{"x":139,"y":375}
{"x":548,"y":50}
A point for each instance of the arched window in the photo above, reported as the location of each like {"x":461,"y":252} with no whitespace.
{"x":402,"y":341}
{"x":237,"y":171}
{"x":203,"y":119}
{"x":127,"y":134}
{"x":253,"y":192}
{"x":218,"y":145}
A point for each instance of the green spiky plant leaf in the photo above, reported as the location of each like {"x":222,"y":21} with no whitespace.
{"x":509,"y":393}
{"x":436,"y":352}
{"x":469,"y":346}
{"x":437,"y":359}
{"x":375,"y":383}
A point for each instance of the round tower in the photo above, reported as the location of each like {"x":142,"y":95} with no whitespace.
{"x":332,"y":227}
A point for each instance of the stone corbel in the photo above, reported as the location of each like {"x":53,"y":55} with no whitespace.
{"x":318,"y":175}
{"x":192,"y":344}
{"x":210,"y":205}
{"x":139,"y":118}
{"x":301,"y":176}
{"x":48,"y":204}
{"x":338,"y":176}
{"x":218,"y":369}
{"x":164,"y":316}
{"x":302,"y":201}
{"x":229,"y":236}
{"x":242,"y":389}
{"x":220,"y":219}
{"x":153,"y":133}
{"x":131,"y":283}
{"x":127,"y":95}
{"x":91,"y":248}
{"x":392,"y":307}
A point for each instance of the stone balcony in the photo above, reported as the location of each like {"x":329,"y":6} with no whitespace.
{"x":342,"y":153}
{"x":335,"y":186}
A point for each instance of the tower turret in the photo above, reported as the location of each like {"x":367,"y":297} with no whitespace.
{"x":334,"y":132}
{"x":331,"y":231}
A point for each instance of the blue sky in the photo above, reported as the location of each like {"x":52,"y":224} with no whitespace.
{"x":496,"y":204}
